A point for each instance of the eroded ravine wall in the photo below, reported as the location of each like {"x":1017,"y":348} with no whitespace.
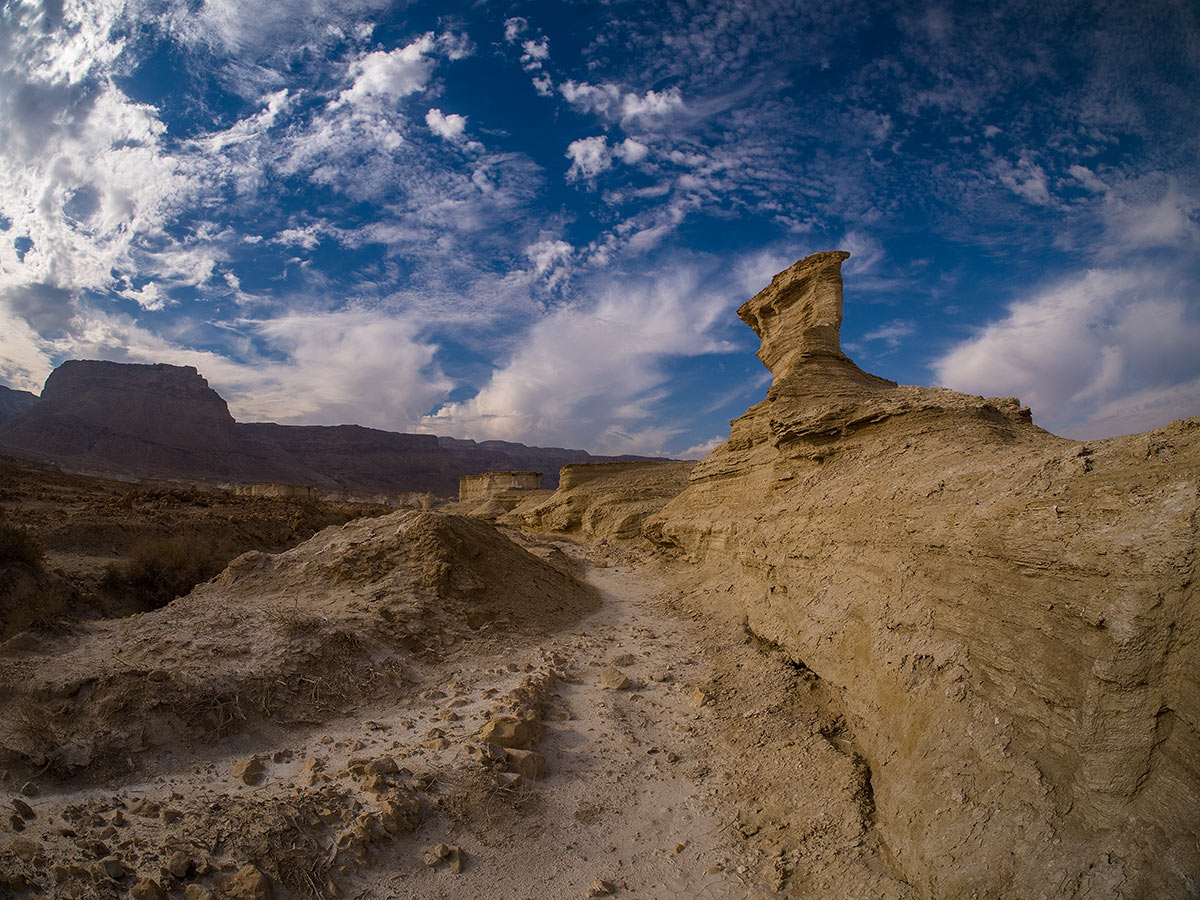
{"x":1009,"y":617}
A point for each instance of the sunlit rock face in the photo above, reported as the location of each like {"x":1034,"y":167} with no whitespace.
{"x":1010,"y":617}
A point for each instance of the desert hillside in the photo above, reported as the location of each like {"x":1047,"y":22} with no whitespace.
{"x":165,"y":422}
{"x":885,"y":641}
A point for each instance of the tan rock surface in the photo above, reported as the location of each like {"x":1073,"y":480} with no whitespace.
{"x":1008,"y":616}
{"x":603,"y":500}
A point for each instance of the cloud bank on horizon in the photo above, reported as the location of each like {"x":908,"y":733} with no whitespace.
{"x":534,"y":221}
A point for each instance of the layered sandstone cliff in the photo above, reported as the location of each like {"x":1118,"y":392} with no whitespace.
{"x":1010,"y":617}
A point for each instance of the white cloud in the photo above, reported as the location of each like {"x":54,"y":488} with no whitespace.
{"x":148,"y":297}
{"x":891,"y":333}
{"x":609,"y":100}
{"x":631,"y":151}
{"x":589,"y":157}
{"x":702,"y":449}
{"x":1026,"y":179}
{"x":534,"y":53}
{"x":360,"y":367}
{"x":449,"y":127}
{"x":1152,"y":215}
{"x":514,"y":28}
{"x":650,"y":104}
{"x":1108,"y":350}
{"x":382,"y":76}
{"x":593,"y":375}
{"x":25,"y":360}
{"x":546,"y":255}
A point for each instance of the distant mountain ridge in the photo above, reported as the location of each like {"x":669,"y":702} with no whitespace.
{"x":165,"y":421}
{"x":13,"y":403}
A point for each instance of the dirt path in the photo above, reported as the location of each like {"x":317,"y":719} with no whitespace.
{"x":621,"y":807}
{"x":681,"y":762}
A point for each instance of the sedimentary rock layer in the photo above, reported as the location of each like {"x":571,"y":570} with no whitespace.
{"x":1010,"y":617}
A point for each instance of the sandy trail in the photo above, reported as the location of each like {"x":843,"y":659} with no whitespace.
{"x":620,"y":803}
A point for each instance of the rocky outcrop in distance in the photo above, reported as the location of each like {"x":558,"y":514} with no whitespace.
{"x":1009,"y":617}
{"x":165,"y":421}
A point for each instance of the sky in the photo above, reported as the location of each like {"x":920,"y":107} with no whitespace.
{"x":535,"y":221}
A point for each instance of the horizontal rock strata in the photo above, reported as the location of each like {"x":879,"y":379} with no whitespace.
{"x":1009,"y":617}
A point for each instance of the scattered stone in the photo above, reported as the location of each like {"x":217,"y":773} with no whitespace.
{"x":24,"y":810}
{"x":601,"y":888}
{"x":487,"y":755}
{"x":16,"y":822}
{"x":117,"y":818}
{"x":281,"y":756}
{"x":148,"y":889}
{"x":700,"y":698}
{"x":250,"y":884}
{"x":529,"y":764}
{"x":180,"y":864}
{"x":375,"y":784}
{"x":679,"y":848}
{"x":169,"y":816}
{"x":26,"y":849}
{"x":198,"y":892}
{"x":249,"y":771}
{"x":113,"y":867}
{"x":147,"y":809}
{"x":29,"y":789}
{"x":400,"y":812}
{"x":314,"y":764}
{"x":614,"y":679}
{"x":507,"y":731}
{"x":385,"y":765}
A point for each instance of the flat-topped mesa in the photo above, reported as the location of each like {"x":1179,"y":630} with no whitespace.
{"x":798,"y":318}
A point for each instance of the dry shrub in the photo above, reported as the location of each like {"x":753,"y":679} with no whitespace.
{"x":291,"y":620}
{"x":18,"y":546}
{"x":161,"y":569}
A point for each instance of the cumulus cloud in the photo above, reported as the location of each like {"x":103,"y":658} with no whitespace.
{"x":549,"y":258}
{"x":593,"y":155}
{"x":514,"y":27}
{"x":609,"y":100}
{"x":390,"y":75}
{"x":534,"y":53}
{"x":450,"y":127}
{"x":350,"y":366}
{"x":589,"y":157}
{"x":631,"y":151}
{"x":593,"y":374}
{"x":1110,"y":351}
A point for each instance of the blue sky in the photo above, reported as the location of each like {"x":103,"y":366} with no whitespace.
{"x":534,"y":221}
